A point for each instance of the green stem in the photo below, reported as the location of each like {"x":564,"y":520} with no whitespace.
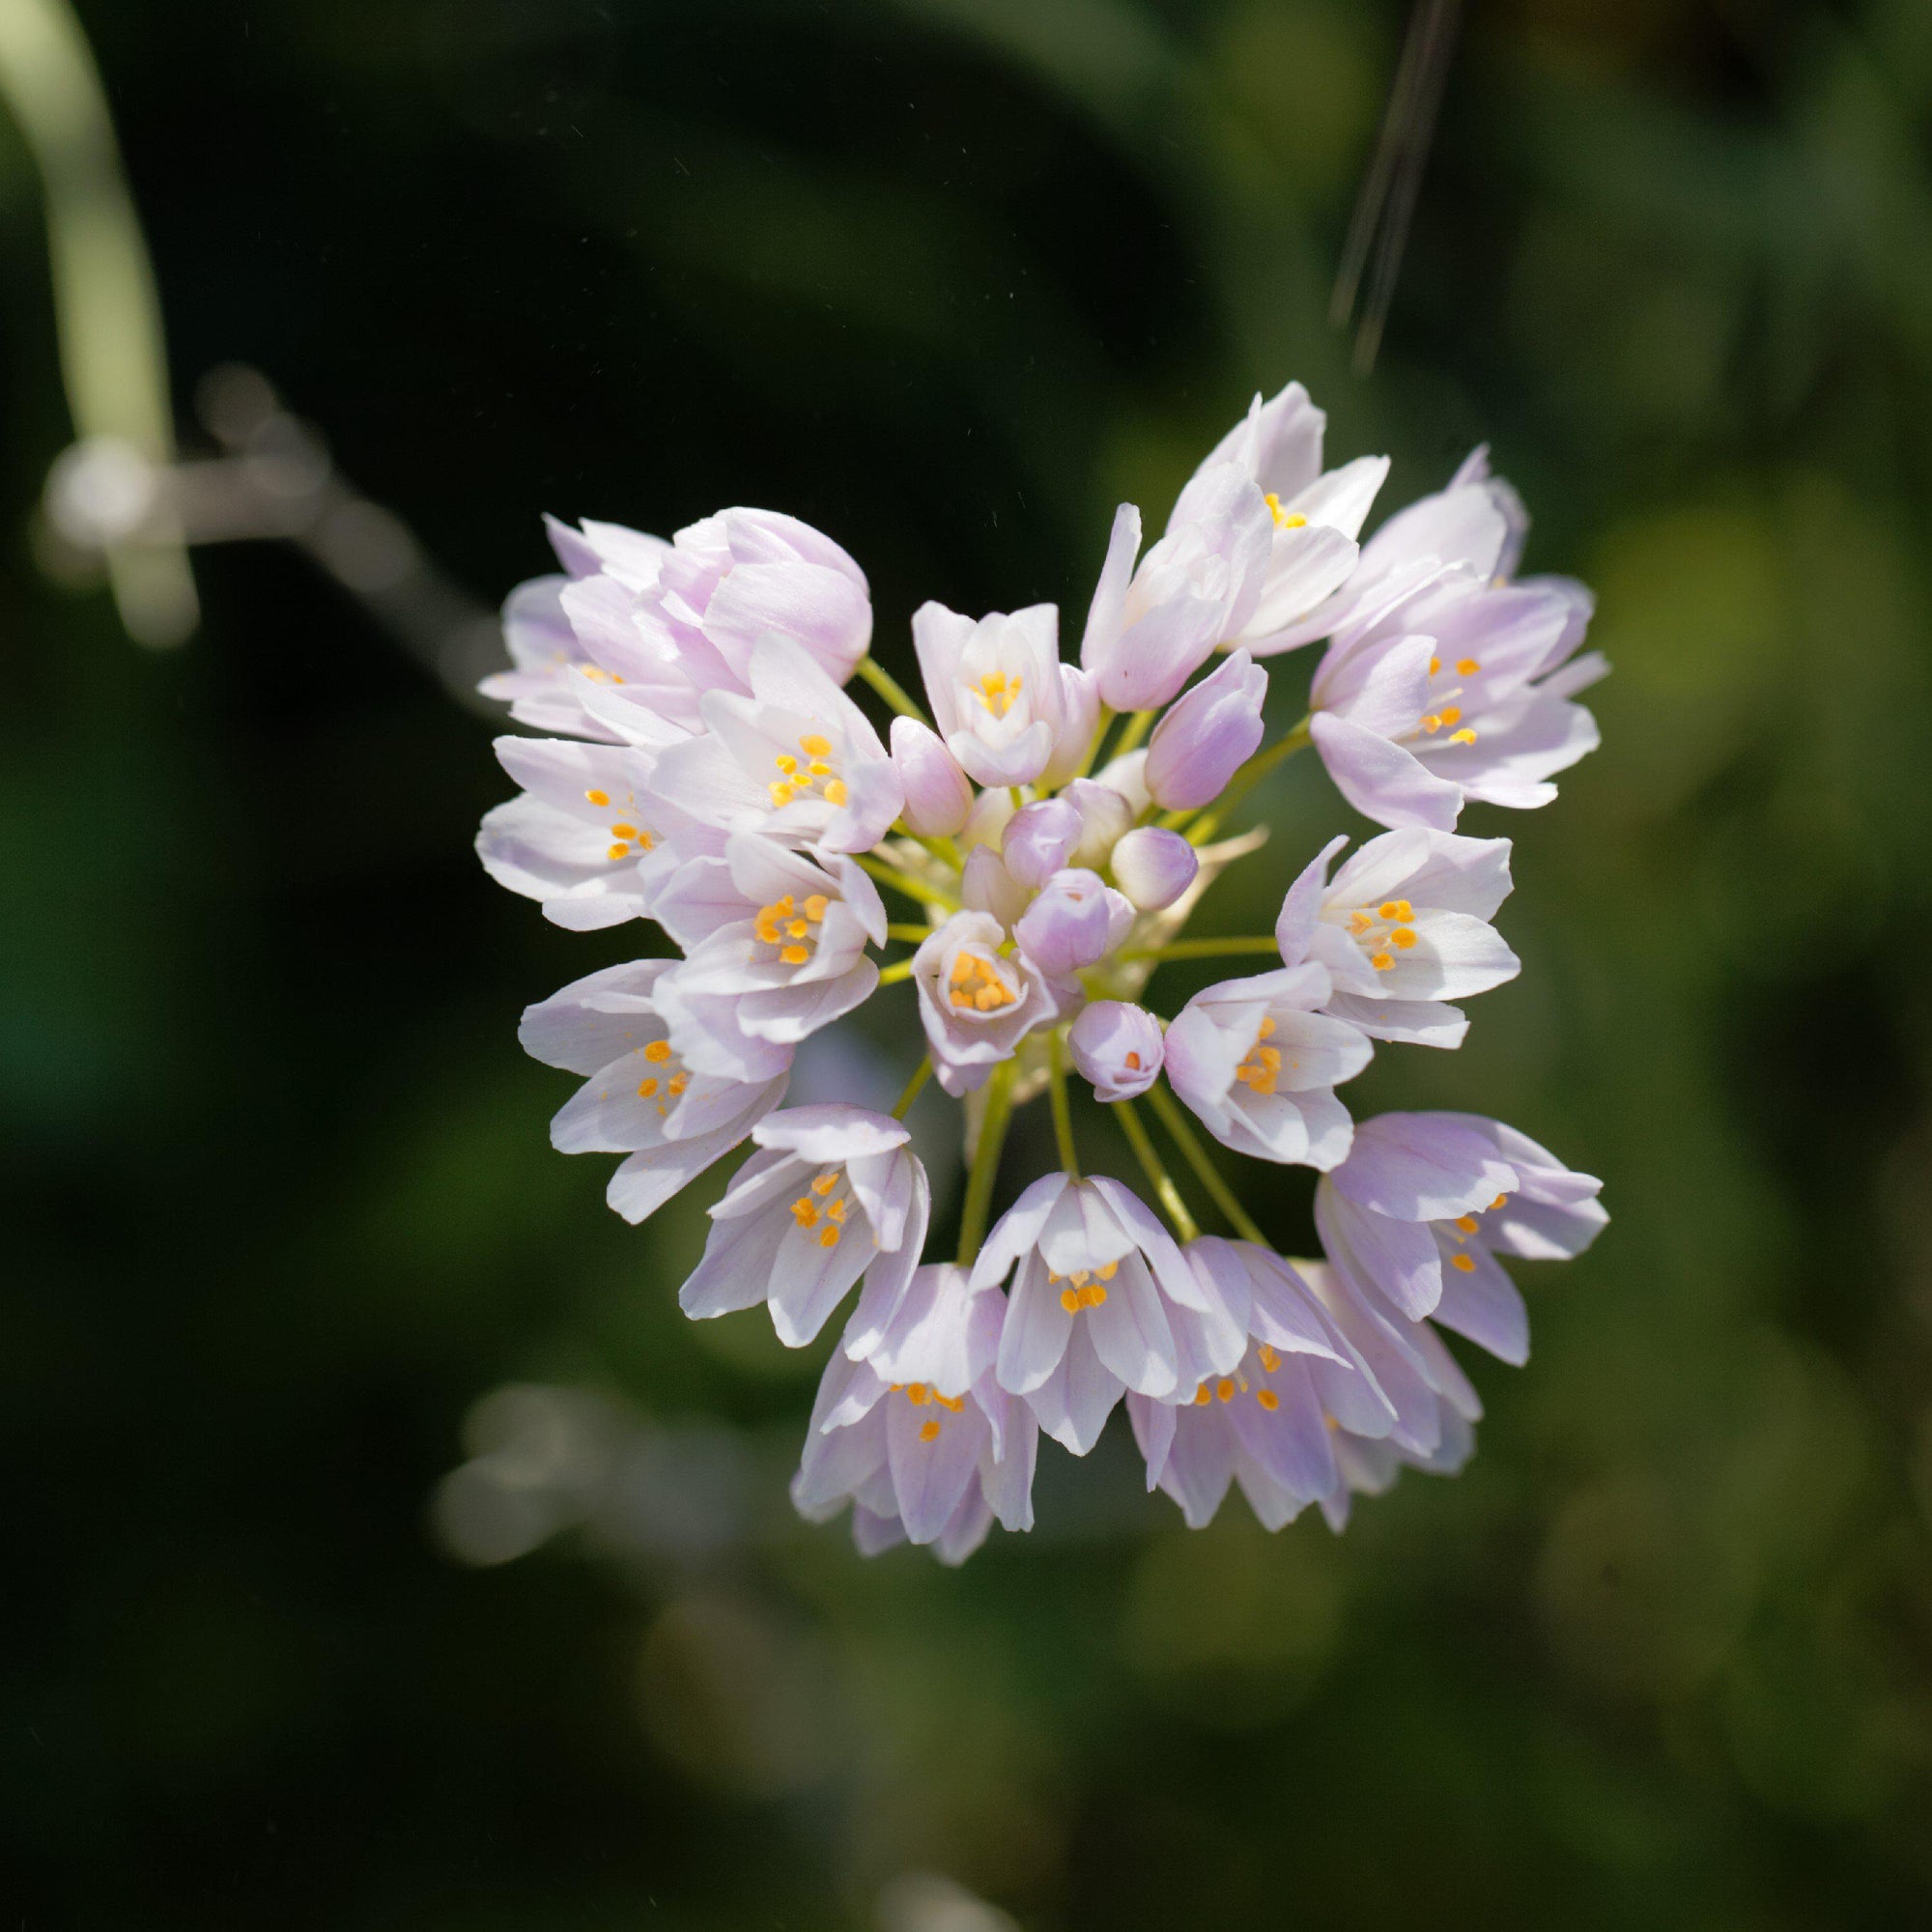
{"x":1169,"y":1112}
{"x":1203,"y":948}
{"x":920,"y":1075}
{"x":912,"y":935}
{"x":107,"y":314}
{"x":905,"y":882}
{"x":1063,"y":1110}
{"x":1165,"y":1191}
{"x":889,"y":689}
{"x":1094,"y":744}
{"x":1202,"y":826}
{"x":987,"y":1161}
{"x":1137,"y":726}
{"x":891,"y":976}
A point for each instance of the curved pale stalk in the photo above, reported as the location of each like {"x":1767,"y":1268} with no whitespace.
{"x":912,"y":935}
{"x":1165,"y":1191}
{"x":905,"y":882}
{"x":891,"y":690}
{"x":1169,"y":1112}
{"x":1204,"y":948}
{"x":1063,"y":1110}
{"x":1139,"y":723}
{"x":920,"y":1075}
{"x":1094,"y":744}
{"x":993,"y":1124}
{"x":891,"y":976}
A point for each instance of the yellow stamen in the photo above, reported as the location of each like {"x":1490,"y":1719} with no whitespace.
{"x":1434,"y":664}
{"x":1463,"y":1263}
{"x":647,"y":1087}
{"x":1069,"y":1299}
{"x":1497,"y":1203}
{"x":598,"y":798}
{"x":1271,"y":1361}
{"x":782,"y":793}
{"x":1466,"y":1222}
{"x":785,"y":763}
{"x":804,"y":1212}
{"x":1202,"y":1397}
{"x":795,"y":956}
{"x":830,"y":1238}
{"x":1465,"y":736}
{"x":1397,"y":909}
{"x":1402,"y":937}
{"x":623,"y":831}
{"x":1284,"y":520}
{"x":814,"y":907}
{"x":1382,"y":962}
{"x":825,"y":1184}
{"x":917,"y":1394}
{"x":1225,"y":1389}
{"x":657,"y":1052}
{"x":815,"y":747}
{"x":1268,"y":1399}
{"x":929,"y":1431}
{"x":1466,"y":667}
{"x":619,"y":851}
{"x":975,"y":983}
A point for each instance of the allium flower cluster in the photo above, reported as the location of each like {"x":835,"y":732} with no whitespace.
{"x":1045,"y":830}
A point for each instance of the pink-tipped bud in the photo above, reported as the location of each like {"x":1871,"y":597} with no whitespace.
{"x":1118,"y":1046}
{"x":986,"y":823}
{"x":1206,"y":737}
{"x":937,"y":795}
{"x":1076,"y":922}
{"x":1104,"y":815}
{"x":1153,"y":866}
{"x":1079,"y":720}
{"x":1040,"y":838}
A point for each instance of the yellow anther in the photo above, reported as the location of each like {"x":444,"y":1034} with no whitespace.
{"x":804,"y":1212}
{"x":679,"y":1083}
{"x":598,"y":798}
{"x":657,"y":1052}
{"x":1452,"y":714}
{"x":975,"y":983}
{"x":1434,"y":664}
{"x":619,"y":851}
{"x":1382,"y":962}
{"x":825,"y":1184}
{"x":1107,"y":1271}
{"x":782,"y":793}
{"x":1202,"y":1395}
{"x":799,"y":927}
{"x":1463,"y":1263}
{"x":1133,"y":1062}
{"x":1225,"y":1389}
{"x":623,"y":831}
{"x":785,"y":763}
{"x":836,"y":1210}
{"x":830,"y":1238}
{"x":1430,"y":723}
{"x":917,"y":1393}
{"x":1465,"y":736}
{"x":814,"y":907}
{"x":1094,"y":1294}
{"x":1271,"y":1361}
{"x":835,"y":792}
{"x":647,"y":1087}
{"x":955,"y":1403}
{"x":1402,"y":937}
{"x":815,"y":747}
{"x":1360,"y":921}
{"x":1268,"y":1399}
{"x":1497,"y":1203}
{"x":929,"y":1431}
{"x":1284,"y":520}
{"x":1258,"y":1071}
{"x":1397,"y":909}
{"x":1466,"y":667}
{"x":1466,"y":1222}
{"x":795,"y":956}
{"x":1266,"y":1031}
{"x":1069,"y":1299}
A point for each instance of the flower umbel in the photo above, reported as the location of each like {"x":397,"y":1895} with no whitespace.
{"x":1029,"y":854}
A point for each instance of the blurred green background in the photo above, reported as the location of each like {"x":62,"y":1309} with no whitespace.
{"x":285,"y":1245}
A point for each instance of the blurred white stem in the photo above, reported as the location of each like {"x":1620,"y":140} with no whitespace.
{"x":112,"y":350}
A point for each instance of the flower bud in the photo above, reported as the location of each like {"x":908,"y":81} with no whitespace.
{"x":1104,"y":815}
{"x":1075,"y":920}
{"x":1040,"y":838}
{"x":1206,"y":738}
{"x":1127,"y":776}
{"x":986,"y":823}
{"x":986,"y":886}
{"x":1079,"y":720}
{"x":937,"y":796}
{"x":1118,"y":1046}
{"x":1153,"y":866}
